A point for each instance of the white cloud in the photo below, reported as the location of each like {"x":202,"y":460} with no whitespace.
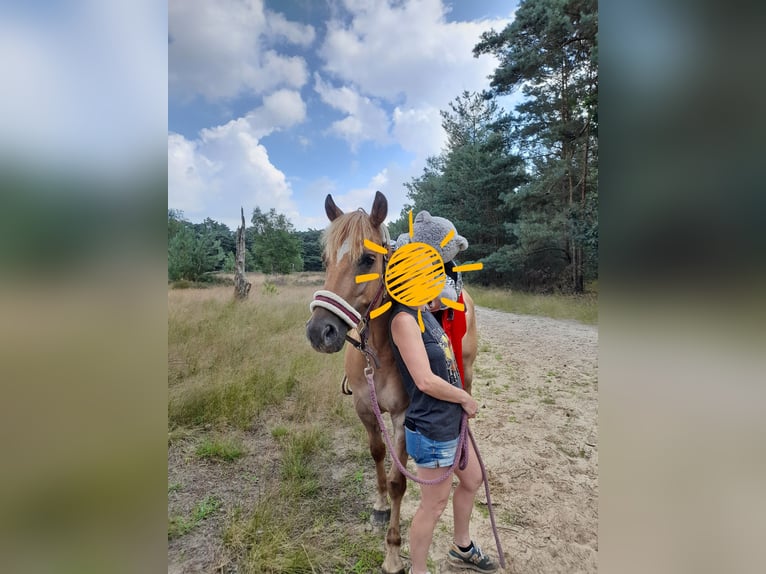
{"x":419,"y":130}
{"x":408,"y":55}
{"x":224,"y":48}
{"x":393,"y":50}
{"x":290,"y":31}
{"x":227,"y":166}
{"x":389,"y":181}
{"x":282,"y":109}
{"x":190,"y":175}
{"x":365,"y":120}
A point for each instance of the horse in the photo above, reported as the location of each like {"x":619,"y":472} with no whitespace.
{"x":340,"y":313}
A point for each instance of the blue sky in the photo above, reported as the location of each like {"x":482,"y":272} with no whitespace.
{"x":277,"y":103}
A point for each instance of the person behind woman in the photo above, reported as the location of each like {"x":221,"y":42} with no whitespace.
{"x":432,"y":425}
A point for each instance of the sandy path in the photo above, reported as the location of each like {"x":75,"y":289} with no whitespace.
{"x":536,"y":382}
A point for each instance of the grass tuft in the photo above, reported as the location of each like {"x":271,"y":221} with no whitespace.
{"x":299,"y":473}
{"x":227,"y":449}
{"x":279,"y":432}
{"x":180,"y":525}
{"x":277,"y":538}
{"x":235,"y":402}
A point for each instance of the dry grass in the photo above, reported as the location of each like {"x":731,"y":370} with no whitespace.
{"x":268,"y":467}
{"x":229,"y":361}
{"x":582,"y":308}
{"x":245,"y":370}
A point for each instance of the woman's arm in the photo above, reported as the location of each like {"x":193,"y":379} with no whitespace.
{"x":406,"y":334}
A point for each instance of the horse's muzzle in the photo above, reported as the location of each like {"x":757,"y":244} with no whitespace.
{"x":326,"y":332}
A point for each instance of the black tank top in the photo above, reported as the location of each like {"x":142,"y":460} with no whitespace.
{"x":436,"y":419}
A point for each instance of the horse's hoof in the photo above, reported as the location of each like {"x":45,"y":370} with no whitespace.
{"x":380,"y":517}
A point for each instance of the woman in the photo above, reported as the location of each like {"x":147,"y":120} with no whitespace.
{"x":432,"y":425}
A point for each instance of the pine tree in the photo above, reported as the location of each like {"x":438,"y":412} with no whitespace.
{"x":468,"y":182}
{"x":191,"y":256}
{"x":550,"y":53}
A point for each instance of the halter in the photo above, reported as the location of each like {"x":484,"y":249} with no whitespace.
{"x":341,"y":308}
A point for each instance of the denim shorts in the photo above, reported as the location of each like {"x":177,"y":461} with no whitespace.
{"x":430,"y":453}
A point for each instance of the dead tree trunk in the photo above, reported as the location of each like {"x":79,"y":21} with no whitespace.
{"x":241,"y":284}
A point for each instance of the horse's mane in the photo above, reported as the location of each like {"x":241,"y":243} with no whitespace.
{"x":356,"y":227}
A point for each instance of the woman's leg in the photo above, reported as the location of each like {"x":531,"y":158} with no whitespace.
{"x":433,"y":501}
{"x":462,"y":499}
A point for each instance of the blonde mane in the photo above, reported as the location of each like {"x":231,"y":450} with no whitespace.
{"x":356,"y":227}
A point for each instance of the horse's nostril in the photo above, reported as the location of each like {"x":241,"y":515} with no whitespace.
{"x":328,"y":333}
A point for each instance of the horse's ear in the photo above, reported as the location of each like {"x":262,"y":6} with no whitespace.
{"x":379,"y":209}
{"x":332,"y":210}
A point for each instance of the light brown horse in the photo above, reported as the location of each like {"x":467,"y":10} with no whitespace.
{"x":328,"y":330}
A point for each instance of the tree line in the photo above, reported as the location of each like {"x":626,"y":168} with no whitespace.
{"x":521,"y":185}
{"x":197,"y":250}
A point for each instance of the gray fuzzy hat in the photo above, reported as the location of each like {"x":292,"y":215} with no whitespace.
{"x":403,"y":239}
{"x":431,"y":230}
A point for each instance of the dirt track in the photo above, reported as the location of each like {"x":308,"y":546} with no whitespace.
{"x":536,"y":382}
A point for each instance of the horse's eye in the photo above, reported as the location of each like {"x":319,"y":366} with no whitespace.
{"x":366,"y":261}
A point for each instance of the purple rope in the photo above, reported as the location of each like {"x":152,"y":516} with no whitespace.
{"x":461,"y":460}
{"x":500,"y":554}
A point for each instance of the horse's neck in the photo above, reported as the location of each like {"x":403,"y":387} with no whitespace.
{"x":379,"y":338}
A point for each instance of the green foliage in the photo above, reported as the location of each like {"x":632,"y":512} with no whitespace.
{"x":402,"y":224}
{"x":229,"y":263}
{"x":550,"y":52}
{"x":175,"y":222}
{"x":469,"y":181}
{"x":276,"y":248}
{"x":191,"y":256}
{"x":225,"y":236}
{"x":311,"y":249}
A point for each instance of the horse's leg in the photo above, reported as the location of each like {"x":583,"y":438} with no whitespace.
{"x":397,"y":484}
{"x":470,"y":342}
{"x":380,"y":509}
{"x":468,"y":372}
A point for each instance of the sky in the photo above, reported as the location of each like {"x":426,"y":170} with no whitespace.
{"x":275,"y":104}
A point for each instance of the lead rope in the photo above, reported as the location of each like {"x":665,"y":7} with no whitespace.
{"x":461,"y":461}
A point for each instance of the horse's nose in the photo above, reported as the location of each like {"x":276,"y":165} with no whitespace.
{"x":326,"y":334}
{"x":329,"y":333}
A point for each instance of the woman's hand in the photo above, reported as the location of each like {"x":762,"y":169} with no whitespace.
{"x":470,"y":406}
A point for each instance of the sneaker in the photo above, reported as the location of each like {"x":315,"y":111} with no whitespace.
{"x":474,"y":559}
